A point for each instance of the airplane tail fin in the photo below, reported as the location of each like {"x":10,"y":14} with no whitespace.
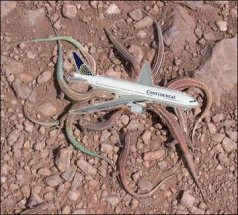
{"x":81,"y":66}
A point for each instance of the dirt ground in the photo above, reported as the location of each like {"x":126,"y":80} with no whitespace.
{"x":40,"y":166}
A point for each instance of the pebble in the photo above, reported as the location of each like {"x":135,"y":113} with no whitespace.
{"x":202,"y":41}
{"x":198,"y":32}
{"x":218,"y":117}
{"x":218,"y":137}
{"x":68,"y":175}
{"x":136,"y":14}
{"x":187,"y":200}
{"x":28,"y":126}
{"x":80,"y":211}
{"x":73,"y":195}
{"x":13,"y":67}
{"x":222,"y":157}
{"x":39,"y":145}
{"x":143,"y":23}
{"x":195,"y":210}
{"x":33,"y":17}
{"x":105,"y":135}
{"x":69,"y":10}
{"x":113,"y":200}
{"x":113,"y":9}
{"x":87,"y":168}
{"x":47,"y":109}
{"x":13,"y":137}
{"x":228,"y":145}
{"x":30,"y":55}
{"x":21,"y":91}
{"x":63,"y":158}
{"x":53,"y":180}
{"x":233,"y":12}
{"x":134,"y":124}
{"x":146,"y":136}
{"x":232,"y":135}
{"x":209,"y":36}
{"x":66,"y":210}
{"x":145,"y":185}
{"x":34,"y":200}
{"x":134,"y":203}
{"x":106,"y":147}
{"x":125,"y":119}
{"x":222,"y":25}
{"x":44,"y":172}
{"x":48,"y":196}
{"x":44,"y":77}
{"x":150,"y":156}
{"x":137,"y":52}
{"x":141,"y":34}
{"x":211,"y":127}
{"x":78,"y":178}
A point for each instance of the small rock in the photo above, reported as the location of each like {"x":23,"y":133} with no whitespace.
{"x":145,"y":185}
{"x":80,"y":211}
{"x":198,"y":32}
{"x":209,"y":36}
{"x":218,"y":117}
{"x":146,"y":137}
{"x":150,"y":156}
{"x":232,"y":135}
{"x":66,"y":210}
{"x":13,"y":136}
{"x":125,"y":119}
{"x":69,"y":11}
{"x":79,"y":86}
{"x":222,"y":158}
{"x":134,"y":124}
{"x":63,"y":158}
{"x":78,"y":178}
{"x":7,"y":7}
{"x":222,"y":25}
{"x":211,"y":127}
{"x":39,"y":145}
{"x":137,"y":52}
{"x":233,"y":12}
{"x":53,"y":180}
{"x":187,"y":200}
{"x":141,"y":34}
{"x":47,"y":109}
{"x":21,"y":91}
{"x":228,"y":144}
{"x":68,"y":175}
{"x":136,"y":14}
{"x":195,"y":210}
{"x":202,"y":41}
{"x":113,"y":9}
{"x":145,"y":22}
{"x":44,"y":172}
{"x":12,"y":67}
{"x":44,"y":77}
{"x":28,"y":126}
{"x":106,"y":148}
{"x":105,"y":135}
{"x":48,"y":196}
{"x":134,"y":203}
{"x":73,"y":195}
{"x":34,"y":200}
{"x":30,"y":55}
{"x":113,"y":200}
{"x":218,"y":137}
{"x":112,"y":73}
{"x":87,"y":168}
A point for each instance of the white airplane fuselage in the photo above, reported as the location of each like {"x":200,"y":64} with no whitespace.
{"x":161,"y":95}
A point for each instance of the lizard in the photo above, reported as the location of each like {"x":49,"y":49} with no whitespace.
{"x":180,"y":84}
{"x":178,"y":134}
{"x":131,"y":139}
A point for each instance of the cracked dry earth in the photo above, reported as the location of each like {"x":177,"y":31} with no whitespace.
{"x":41,"y":170}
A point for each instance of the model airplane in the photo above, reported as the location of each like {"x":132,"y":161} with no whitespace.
{"x":134,"y":95}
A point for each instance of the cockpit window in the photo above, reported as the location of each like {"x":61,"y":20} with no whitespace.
{"x":192,"y":101}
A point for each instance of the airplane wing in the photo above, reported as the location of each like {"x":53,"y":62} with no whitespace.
{"x":145,"y":75}
{"x":122,"y":100}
